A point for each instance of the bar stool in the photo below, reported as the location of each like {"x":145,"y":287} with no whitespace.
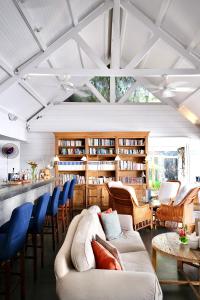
{"x":70,"y":196}
{"x":12,"y":240}
{"x":52,"y":216}
{"x":36,"y":228}
{"x":63,"y":199}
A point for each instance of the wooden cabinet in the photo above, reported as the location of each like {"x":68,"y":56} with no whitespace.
{"x":91,"y":158}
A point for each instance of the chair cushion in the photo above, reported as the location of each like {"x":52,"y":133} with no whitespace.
{"x":111,"y":225}
{"x":168,"y":191}
{"x":104,"y":259}
{"x":81,"y":251}
{"x":115,"y":184}
{"x":112,"y":249}
{"x":129,"y":241}
{"x":137,"y":262}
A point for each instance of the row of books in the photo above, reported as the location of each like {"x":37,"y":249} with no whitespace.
{"x":99,"y":180}
{"x":66,"y":177}
{"x":94,"y":151}
{"x":131,"y":142}
{"x":131,"y":165}
{"x":71,"y":165}
{"x":70,"y":151}
{"x":130,"y":151}
{"x":132,"y":180}
{"x":101,"y":142}
{"x":101,"y":165}
{"x":71,"y":143}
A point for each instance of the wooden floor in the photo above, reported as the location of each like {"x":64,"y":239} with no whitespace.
{"x":45,"y":286}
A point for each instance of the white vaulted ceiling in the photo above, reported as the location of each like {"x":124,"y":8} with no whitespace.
{"x":40,"y":37}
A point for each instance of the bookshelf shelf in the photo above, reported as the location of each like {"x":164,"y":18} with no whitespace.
{"x":101,"y":167}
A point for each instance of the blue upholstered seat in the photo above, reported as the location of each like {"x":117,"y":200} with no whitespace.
{"x":71,"y":188}
{"x":64,"y":194}
{"x":13,"y":233}
{"x":39,"y":213}
{"x":53,"y":202}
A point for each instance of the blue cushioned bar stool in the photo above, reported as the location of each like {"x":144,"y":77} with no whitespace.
{"x":52,"y":216}
{"x":12,"y":241}
{"x":63,"y":199}
{"x":36,"y":228}
{"x":70,"y":196}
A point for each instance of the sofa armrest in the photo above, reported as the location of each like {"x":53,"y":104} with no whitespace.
{"x":108,"y":284}
{"x":126,"y":222}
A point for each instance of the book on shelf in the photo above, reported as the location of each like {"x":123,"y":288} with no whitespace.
{"x":130,"y":151}
{"x":131,"y":142}
{"x":101,"y":165}
{"x":99,"y":180}
{"x":71,"y":165}
{"x":101,"y":151}
{"x":68,"y":177}
{"x":71,"y":151}
{"x":132,"y":180}
{"x":131,"y":165}
{"x":71,"y":143}
{"x":101,"y":142}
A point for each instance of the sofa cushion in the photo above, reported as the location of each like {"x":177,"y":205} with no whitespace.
{"x":137,"y":262}
{"x":129,"y":241}
{"x":104,"y":259}
{"x":94,"y":209}
{"x":112,"y":249}
{"x":81,"y":251}
{"x":111,"y":225}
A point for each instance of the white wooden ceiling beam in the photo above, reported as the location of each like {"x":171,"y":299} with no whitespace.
{"x":115,"y":36}
{"x":139,"y":57}
{"x":123,"y":28}
{"x":112,"y":90}
{"x":96,"y":92}
{"x":7,"y":83}
{"x":166,"y":37}
{"x":112,"y":72}
{"x":71,"y":34}
{"x":89,"y":52}
{"x":163,"y":10}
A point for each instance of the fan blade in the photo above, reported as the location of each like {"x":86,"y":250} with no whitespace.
{"x":80,"y":93}
{"x":183,"y":89}
{"x":177,"y":84}
{"x":167,"y":93}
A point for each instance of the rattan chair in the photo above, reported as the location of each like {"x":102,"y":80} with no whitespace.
{"x":181,"y":212}
{"x":123,"y":202}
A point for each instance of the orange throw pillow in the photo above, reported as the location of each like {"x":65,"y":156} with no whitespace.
{"x":108,"y":211}
{"x":104,"y":259}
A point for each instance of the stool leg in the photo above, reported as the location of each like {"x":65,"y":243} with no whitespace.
{"x":7,"y":269}
{"x":22,"y":275}
{"x":53,"y":232}
{"x":63,"y":218}
{"x":57,"y":228}
{"x":42,"y":248}
{"x":34,"y":241}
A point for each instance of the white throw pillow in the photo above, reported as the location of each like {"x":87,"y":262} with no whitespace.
{"x":81,"y":251}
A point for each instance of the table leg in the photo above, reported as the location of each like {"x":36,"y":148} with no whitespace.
{"x":154,"y":258}
{"x":180,"y":265}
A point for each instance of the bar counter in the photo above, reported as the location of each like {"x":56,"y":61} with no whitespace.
{"x":12,"y":196}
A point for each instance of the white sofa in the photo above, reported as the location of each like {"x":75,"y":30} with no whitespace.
{"x":138,"y":281}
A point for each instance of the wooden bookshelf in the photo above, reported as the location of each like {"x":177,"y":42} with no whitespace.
{"x":100,"y":149}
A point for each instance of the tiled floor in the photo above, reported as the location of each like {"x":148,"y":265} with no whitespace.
{"x":45,"y":287}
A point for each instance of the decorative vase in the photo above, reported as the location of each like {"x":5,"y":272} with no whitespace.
{"x":33,"y":173}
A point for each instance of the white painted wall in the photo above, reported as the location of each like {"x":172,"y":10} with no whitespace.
{"x":13,"y":129}
{"x":39,"y":147}
{"x":12,"y":163}
{"x":160,"y":120}
{"x":194,"y":152}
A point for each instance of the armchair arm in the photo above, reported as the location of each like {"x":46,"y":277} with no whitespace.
{"x":108,"y":284}
{"x":170,"y":213}
{"x":142,"y":213}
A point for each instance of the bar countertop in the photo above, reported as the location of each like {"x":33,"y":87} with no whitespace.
{"x":8,"y":191}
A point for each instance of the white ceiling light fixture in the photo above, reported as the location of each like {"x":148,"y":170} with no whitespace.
{"x":12,"y":117}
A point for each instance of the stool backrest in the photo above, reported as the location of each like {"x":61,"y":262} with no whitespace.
{"x":71,"y":188}
{"x":40,"y":212}
{"x":64,"y":194}
{"x":17,"y":230}
{"x":53,"y":204}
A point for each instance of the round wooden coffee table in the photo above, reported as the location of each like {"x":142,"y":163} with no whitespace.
{"x":168,"y":244}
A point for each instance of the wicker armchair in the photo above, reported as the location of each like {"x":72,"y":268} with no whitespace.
{"x":181,"y":212}
{"x":123,"y":202}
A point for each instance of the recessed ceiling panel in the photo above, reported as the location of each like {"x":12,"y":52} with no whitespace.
{"x":149,"y":8}
{"x":82,"y":8}
{"x":17,"y":43}
{"x":19,"y":101}
{"x":182,"y":20}
{"x":51,"y":17}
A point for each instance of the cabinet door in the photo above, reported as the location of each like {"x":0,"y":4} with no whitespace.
{"x":79,"y":197}
{"x":94,"y":195}
{"x":104,"y":198}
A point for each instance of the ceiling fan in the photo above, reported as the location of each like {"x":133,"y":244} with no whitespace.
{"x":169,"y":90}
